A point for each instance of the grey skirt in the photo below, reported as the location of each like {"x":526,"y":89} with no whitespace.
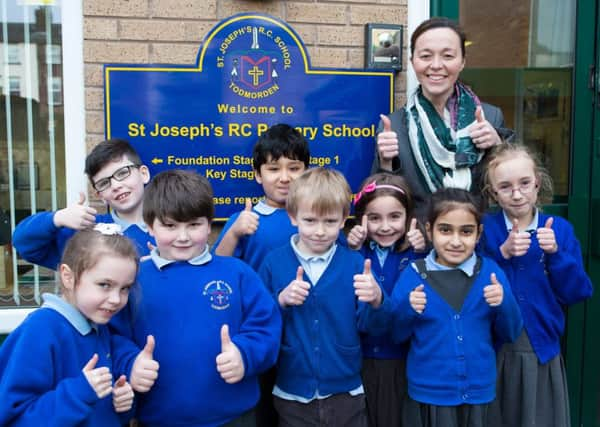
{"x":418,"y":414}
{"x":528,"y":393}
{"x":386,"y":391}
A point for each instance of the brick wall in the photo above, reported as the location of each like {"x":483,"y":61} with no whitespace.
{"x":170,"y":32}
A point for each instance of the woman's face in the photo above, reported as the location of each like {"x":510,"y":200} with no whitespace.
{"x":437,"y":61}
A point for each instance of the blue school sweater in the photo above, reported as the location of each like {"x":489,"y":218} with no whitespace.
{"x":451,"y":359}
{"x":382,"y":346}
{"x":41,"y":378}
{"x":320,"y":349}
{"x":274,"y":230}
{"x":40,"y":242}
{"x":184,"y":306}
{"x":542,"y":283}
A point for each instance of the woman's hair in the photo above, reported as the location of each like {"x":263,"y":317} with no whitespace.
{"x":379,"y":185}
{"x":508,"y":151}
{"x":86,"y":247}
{"x":323,"y":190}
{"x":438,"y":22}
{"x":445,"y":200}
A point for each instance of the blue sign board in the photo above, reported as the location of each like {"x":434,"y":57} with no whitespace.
{"x":252,"y":71}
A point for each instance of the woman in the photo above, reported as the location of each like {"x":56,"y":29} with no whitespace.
{"x":440,"y":137}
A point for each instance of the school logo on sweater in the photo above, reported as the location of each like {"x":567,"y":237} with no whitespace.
{"x":218,"y":292}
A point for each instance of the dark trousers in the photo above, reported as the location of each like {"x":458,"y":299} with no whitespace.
{"x":339,"y":410}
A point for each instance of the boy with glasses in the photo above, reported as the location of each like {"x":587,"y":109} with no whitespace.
{"x":118,"y":176}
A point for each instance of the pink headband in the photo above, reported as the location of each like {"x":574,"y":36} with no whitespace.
{"x":369,"y":188}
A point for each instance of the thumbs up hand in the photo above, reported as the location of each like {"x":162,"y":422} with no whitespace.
{"x":517,"y":243}
{"x":247,"y":221}
{"x":230,"y":364}
{"x":76,"y":216}
{"x":547,"y":238}
{"x":122,"y":395}
{"x":418,"y":299}
{"x":145,"y":368}
{"x":296,"y":292}
{"x":358,"y":234}
{"x":494,"y":292}
{"x":482,"y":132}
{"x":366,"y":287}
{"x":387,"y":144}
{"x":415,"y":236}
{"x":100,"y":379}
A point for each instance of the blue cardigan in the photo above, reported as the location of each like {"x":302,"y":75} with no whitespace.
{"x":541,"y":283}
{"x":382,"y":346}
{"x":184,"y":306}
{"x":41,"y":378}
{"x":40,"y":242}
{"x":451,"y":359}
{"x":320,"y":348}
{"x":274,"y":230}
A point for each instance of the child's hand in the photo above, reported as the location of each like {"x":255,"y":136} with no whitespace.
{"x":229,"y":362}
{"x":418,"y":299}
{"x":145,"y":368}
{"x":247,"y":221}
{"x":387,"y":143}
{"x":358,"y":234}
{"x":366,"y":287}
{"x":546,"y":237}
{"x":296,"y":292}
{"x":415,"y":237}
{"x":517,"y":243}
{"x":494,"y":292}
{"x":100,"y":379}
{"x":482,"y":132}
{"x":122,"y":395}
{"x":76,"y":216}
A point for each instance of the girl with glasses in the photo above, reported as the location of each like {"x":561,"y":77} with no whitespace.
{"x":542,"y":259}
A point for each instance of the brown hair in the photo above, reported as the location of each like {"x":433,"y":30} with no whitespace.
{"x":180,"y":195}
{"x":325,"y":190}
{"x":438,"y":22}
{"x":403,"y":195}
{"x":507,"y":151}
{"x":86,"y":247}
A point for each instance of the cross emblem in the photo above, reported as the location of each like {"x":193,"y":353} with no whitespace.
{"x":255,"y":72}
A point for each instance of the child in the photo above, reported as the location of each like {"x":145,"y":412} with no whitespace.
{"x":384,"y":208}
{"x":57,"y":367}
{"x":450,"y":305}
{"x":217,"y":325}
{"x":542,"y":259}
{"x":316,"y":283}
{"x":280,"y":155}
{"x":116,"y":173}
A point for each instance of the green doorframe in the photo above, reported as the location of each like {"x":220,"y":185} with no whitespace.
{"x":586,"y":212}
{"x":582,"y":209}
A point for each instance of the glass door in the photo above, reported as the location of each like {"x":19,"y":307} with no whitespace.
{"x":538,"y":60}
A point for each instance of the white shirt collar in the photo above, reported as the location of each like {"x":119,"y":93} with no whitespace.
{"x":161,"y":262}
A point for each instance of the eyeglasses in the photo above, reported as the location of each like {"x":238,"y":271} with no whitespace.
{"x":507,"y":190}
{"x":119,"y":175}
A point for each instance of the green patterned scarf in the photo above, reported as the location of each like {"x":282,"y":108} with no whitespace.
{"x":443,"y":150}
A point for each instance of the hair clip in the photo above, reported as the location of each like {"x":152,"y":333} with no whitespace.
{"x":369,"y":188}
{"x":108,"y":229}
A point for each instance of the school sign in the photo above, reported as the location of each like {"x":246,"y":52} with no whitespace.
{"x":252,"y":71}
